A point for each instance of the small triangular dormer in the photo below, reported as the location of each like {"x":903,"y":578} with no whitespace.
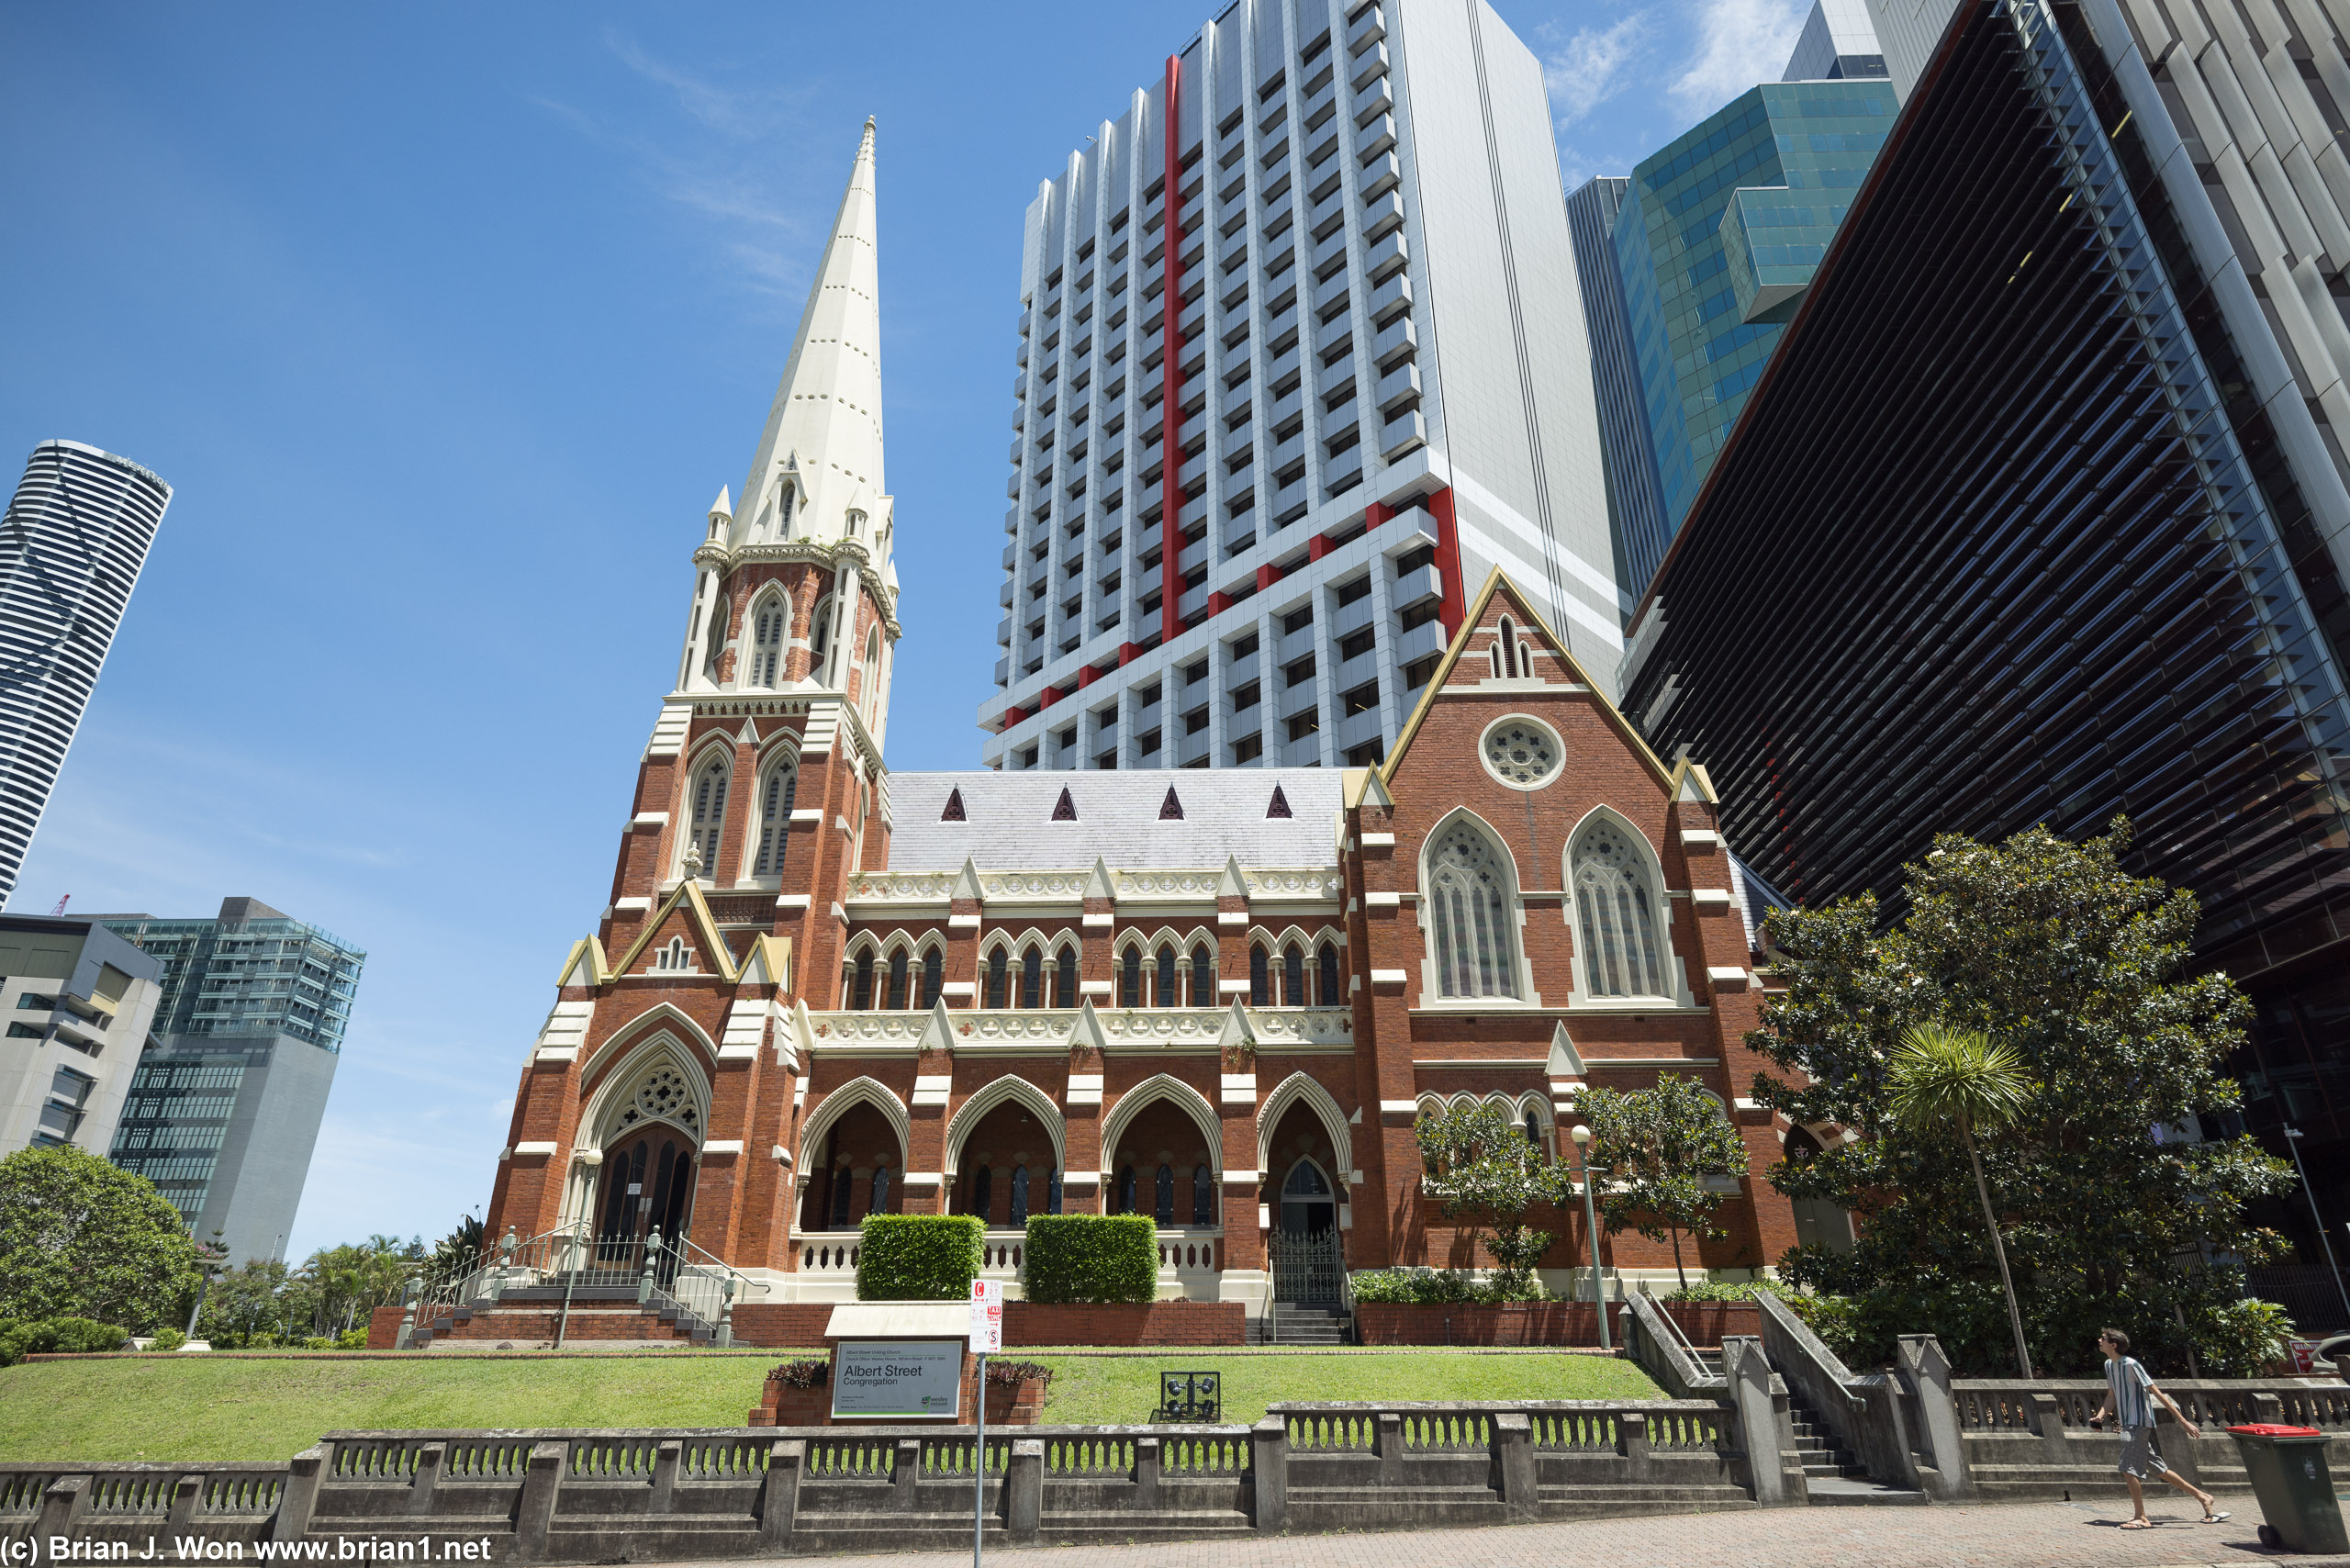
{"x":1065,"y":809}
{"x":1170,"y":810}
{"x":954,"y":812}
{"x":1277,"y":806}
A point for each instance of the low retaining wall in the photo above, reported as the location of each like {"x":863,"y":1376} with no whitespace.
{"x":383,"y":1327}
{"x":786,"y":1325}
{"x":1146,"y":1323}
{"x":1536,"y":1322}
{"x":2033,"y":1442}
{"x":638,"y":1495}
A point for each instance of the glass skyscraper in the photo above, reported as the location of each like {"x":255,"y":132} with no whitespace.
{"x":224,"y":1110}
{"x":1718,"y":233}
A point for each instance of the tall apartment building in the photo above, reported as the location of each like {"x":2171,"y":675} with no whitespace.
{"x":1243,"y":524}
{"x":75,"y":537}
{"x":1838,"y":43}
{"x":78,"y":1000}
{"x":224,"y":1110}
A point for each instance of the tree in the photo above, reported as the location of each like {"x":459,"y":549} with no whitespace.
{"x":1957,"y":1079}
{"x":1660,"y":1146}
{"x":2123,"y":1161}
{"x":1483,"y":1169}
{"x":245,"y":1301}
{"x":80,"y":1238}
{"x":344,"y":1282}
{"x":460,"y":1249}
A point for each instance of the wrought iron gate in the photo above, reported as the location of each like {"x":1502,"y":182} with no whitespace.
{"x":1307,"y":1266}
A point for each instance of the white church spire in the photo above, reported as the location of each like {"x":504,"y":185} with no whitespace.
{"x":819,"y":459}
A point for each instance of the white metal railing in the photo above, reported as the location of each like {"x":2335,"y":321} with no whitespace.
{"x":1190,"y":1257}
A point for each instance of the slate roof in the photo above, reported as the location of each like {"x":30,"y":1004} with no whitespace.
{"x":1008,"y":820}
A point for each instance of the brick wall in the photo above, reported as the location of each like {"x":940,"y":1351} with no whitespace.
{"x":1535,"y":1323}
{"x":383,"y":1327}
{"x":1149,"y":1323}
{"x":782,"y":1324}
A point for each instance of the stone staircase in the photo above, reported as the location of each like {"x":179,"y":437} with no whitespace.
{"x":603,"y":1315}
{"x":1290,"y":1324}
{"x":1832,"y":1475}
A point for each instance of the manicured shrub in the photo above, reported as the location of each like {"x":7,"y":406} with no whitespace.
{"x":351,"y":1340}
{"x":168,"y":1340}
{"x":918,"y":1257}
{"x":1440,"y":1287}
{"x":809,"y":1372}
{"x":1090,"y":1258}
{"x":1014,"y":1374}
{"x":56,"y":1336}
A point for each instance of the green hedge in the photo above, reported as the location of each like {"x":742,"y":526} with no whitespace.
{"x":918,"y":1257}
{"x":56,"y":1336}
{"x":1090,"y":1258}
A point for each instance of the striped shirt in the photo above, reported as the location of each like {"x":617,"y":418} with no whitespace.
{"x":2128,"y":1382}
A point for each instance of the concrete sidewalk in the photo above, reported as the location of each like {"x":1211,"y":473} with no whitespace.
{"x":2043,"y":1535}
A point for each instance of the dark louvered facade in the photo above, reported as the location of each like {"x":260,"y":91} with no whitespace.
{"x":2002,"y":538}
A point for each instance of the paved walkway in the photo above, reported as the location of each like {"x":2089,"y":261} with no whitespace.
{"x":2041,"y":1535}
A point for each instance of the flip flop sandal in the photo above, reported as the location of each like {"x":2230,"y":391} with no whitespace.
{"x":2215,"y":1516}
{"x":2138,"y":1524}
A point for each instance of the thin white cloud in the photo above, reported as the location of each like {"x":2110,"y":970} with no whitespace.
{"x":1738,"y":44}
{"x":1591,"y":66}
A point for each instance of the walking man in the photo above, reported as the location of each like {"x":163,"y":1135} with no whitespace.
{"x":2130,"y":1395}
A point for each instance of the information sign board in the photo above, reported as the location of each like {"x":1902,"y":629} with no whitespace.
{"x":898,"y":1377}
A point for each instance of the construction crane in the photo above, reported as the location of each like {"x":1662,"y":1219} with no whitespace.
{"x":60,"y":904}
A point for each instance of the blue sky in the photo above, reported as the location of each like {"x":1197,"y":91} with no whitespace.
{"x":445,"y":323}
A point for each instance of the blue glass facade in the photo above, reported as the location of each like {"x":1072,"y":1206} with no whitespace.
{"x":1700,"y":347}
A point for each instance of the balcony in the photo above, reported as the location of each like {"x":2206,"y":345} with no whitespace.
{"x":1412,"y":588}
{"x":1397,"y":342}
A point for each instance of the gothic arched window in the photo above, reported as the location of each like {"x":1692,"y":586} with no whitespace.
{"x":769,"y":624}
{"x":861,"y":988}
{"x":1617,"y":914}
{"x":982,"y":1193}
{"x":1468,"y":895}
{"x":1126,"y":1190}
{"x":1130,"y":979}
{"x":1204,"y":992}
{"x":1293,"y":976}
{"x":898,"y":978}
{"x":999,"y":977}
{"x":820,"y":638}
{"x":1065,"y":979}
{"x":1333,"y":989}
{"x":1261,"y":979}
{"x":1162,"y":1205}
{"x":1203,"y":1196}
{"x":1170,"y":984}
{"x":774,"y":818}
{"x":880,"y":1205}
{"x":934,"y":970}
{"x":709,"y":815}
{"x":1020,"y":1197}
{"x":1032,"y":978}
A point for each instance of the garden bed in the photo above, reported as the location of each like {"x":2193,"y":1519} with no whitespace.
{"x":1562,"y":1323}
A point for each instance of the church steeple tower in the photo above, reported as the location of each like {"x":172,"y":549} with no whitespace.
{"x":796,"y":589}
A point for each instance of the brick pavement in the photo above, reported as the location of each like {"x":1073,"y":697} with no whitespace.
{"x":2043,"y":1535}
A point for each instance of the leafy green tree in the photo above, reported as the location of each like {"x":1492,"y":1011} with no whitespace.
{"x":1484,"y":1170}
{"x":1660,"y":1146}
{"x":244,"y":1303}
{"x":1957,"y":1079}
{"x":80,"y":1238}
{"x":349,"y":1280}
{"x":2081,"y":970}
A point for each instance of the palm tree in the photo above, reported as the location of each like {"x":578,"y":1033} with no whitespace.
{"x":1948,"y":1078}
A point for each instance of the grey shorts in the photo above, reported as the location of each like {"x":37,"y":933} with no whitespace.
{"x":2139,"y":1456}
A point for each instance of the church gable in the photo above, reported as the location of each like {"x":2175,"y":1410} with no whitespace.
{"x":681,"y":939}
{"x":1507,"y":661}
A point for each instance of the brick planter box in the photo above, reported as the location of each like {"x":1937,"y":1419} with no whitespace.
{"x":1559,"y":1323}
{"x":795,"y":1325}
{"x":1141,"y":1323}
{"x":1009,"y":1405}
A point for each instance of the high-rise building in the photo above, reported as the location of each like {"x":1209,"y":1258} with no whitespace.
{"x":1636,"y":524}
{"x":224,"y":1110}
{"x":1719,"y":234}
{"x":78,"y":1000}
{"x":1241,"y":525}
{"x":1837,"y":44}
{"x":76,"y":535}
{"x":2037,"y":503}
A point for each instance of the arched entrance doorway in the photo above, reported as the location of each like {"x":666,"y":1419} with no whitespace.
{"x":647,"y":1186}
{"x":1308,"y":1267}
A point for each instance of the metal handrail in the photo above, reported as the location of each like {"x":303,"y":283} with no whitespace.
{"x":696,"y":1264}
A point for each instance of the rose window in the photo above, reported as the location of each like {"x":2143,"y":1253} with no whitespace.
{"x":1521,"y":753}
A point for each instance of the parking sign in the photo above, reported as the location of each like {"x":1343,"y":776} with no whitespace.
{"x":987,"y":1316}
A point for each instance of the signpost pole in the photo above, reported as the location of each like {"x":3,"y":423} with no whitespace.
{"x":987,"y":1334}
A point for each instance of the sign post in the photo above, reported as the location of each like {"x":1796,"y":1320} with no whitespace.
{"x":987,"y":1336}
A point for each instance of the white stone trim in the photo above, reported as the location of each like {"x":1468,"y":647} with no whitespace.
{"x":723,"y":1145}
{"x":536,"y":1145}
{"x":1379,"y":841}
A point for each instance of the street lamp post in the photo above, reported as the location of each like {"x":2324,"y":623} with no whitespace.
{"x":2293,"y":1142}
{"x":1582,"y":1137}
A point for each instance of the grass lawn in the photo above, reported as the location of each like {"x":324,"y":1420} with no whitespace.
{"x":199,"y":1409}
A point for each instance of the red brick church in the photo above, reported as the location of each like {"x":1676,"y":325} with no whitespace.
{"x":1217,"y":997}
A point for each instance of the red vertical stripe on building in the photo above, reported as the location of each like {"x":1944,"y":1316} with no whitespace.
{"x":1171,"y":414}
